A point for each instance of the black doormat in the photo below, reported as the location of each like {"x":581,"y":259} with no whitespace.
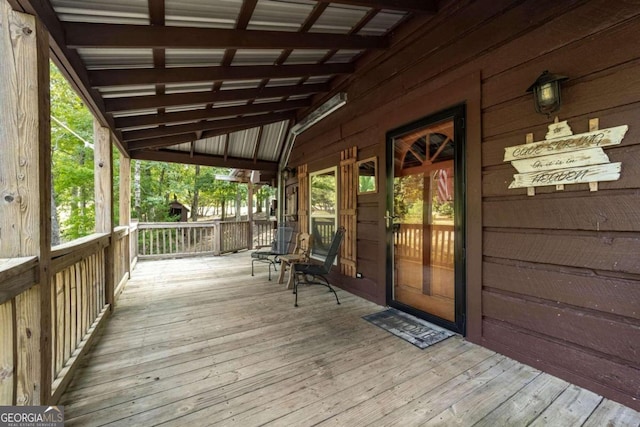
{"x":418,"y":332}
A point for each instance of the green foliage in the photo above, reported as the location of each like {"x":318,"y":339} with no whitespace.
{"x":408,"y":198}
{"x":323,"y":192}
{"x":72,"y":159}
{"x":263,"y":194}
{"x":366,"y":183}
{"x":160,"y":183}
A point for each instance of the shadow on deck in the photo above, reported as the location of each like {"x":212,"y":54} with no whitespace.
{"x":200,"y":342}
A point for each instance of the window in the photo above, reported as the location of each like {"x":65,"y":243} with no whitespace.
{"x":323,"y":209}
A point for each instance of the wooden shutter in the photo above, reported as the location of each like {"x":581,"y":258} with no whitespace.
{"x":303,"y":199}
{"x":347,"y":212}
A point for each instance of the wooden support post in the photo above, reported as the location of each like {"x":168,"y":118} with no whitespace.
{"x":125,"y":205}
{"x":250,"y":214}
{"x":25,"y":192}
{"x":103,"y":177}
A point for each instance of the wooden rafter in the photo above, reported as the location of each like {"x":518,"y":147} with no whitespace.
{"x":313,"y":17}
{"x":164,"y":141}
{"x":194,"y":98}
{"x":429,"y":7}
{"x":248,"y":6}
{"x":157,"y":17}
{"x":226,"y":146}
{"x":67,"y":36}
{"x":141,"y":36}
{"x":250,"y":121}
{"x":185,"y":116}
{"x":257,"y":147}
{"x":203,"y":74}
{"x":246,"y":11}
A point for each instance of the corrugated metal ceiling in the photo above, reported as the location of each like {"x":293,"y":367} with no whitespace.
{"x":172,"y":86}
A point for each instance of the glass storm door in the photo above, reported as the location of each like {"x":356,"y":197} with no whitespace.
{"x":425,"y":267}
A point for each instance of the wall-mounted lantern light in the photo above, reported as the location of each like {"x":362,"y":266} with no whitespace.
{"x":288,"y":173}
{"x":546,"y":92}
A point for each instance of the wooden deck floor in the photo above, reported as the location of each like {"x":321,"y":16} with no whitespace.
{"x":200,"y":342}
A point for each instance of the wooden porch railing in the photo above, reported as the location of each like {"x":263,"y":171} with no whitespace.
{"x":78,"y":301}
{"x":408,"y":243}
{"x":263,"y":233}
{"x":183,"y":239}
{"x":19,"y":334}
{"x":79,"y":277}
{"x":133,"y":243}
{"x":78,"y":306}
{"x":121,"y":257}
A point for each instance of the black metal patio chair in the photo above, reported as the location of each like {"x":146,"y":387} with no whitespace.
{"x":279,"y":246}
{"x":314,"y":274}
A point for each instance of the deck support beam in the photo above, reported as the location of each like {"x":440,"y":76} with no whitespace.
{"x":125,"y":205}
{"x":250,"y":214}
{"x":25,"y":193}
{"x":103,"y":177}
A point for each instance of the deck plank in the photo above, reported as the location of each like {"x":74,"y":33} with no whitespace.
{"x":572,"y":407}
{"x":526,"y":405}
{"x":199,"y":341}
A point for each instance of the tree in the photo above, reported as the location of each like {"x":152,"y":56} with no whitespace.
{"x":72,"y":160}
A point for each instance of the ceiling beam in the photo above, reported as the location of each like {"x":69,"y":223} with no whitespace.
{"x":193,"y":98}
{"x":429,"y":7}
{"x":203,"y":160}
{"x":202,"y":114}
{"x":140,"y":76}
{"x":250,"y":121}
{"x":79,"y":34}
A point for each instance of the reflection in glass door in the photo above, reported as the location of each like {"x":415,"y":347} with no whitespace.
{"x":425,"y":220}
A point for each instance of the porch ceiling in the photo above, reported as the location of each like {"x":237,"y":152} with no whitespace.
{"x":212,"y":82}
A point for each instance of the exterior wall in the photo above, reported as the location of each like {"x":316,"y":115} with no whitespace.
{"x":556,"y":279}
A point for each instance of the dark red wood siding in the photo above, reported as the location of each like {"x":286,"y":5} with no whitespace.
{"x":555,"y":280}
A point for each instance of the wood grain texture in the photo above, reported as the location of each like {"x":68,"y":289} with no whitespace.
{"x":263,"y":361}
{"x":28,"y":363}
{"x":25,"y":189}
{"x":577,"y":58}
{"x":348,"y":185}
{"x":607,"y":252}
{"x":601,"y":211}
{"x":571,"y":286}
{"x":14,"y":44}
{"x":16,"y":276}
{"x":607,"y":336}
{"x":572,"y":363}
{"x":493,"y":147}
{"x":495,"y":182}
{"x":125,"y":190}
{"x":7,"y":345}
{"x":103,"y":177}
{"x":575,"y":244}
{"x":572,"y":407}
{"x":585,"y":96}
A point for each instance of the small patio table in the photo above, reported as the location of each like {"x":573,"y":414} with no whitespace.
{"x":289,"y":260}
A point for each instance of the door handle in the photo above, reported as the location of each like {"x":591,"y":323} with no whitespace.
{"x":390,"y":219}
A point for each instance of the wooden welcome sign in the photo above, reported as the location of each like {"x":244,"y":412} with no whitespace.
{"x":565,"y":159}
